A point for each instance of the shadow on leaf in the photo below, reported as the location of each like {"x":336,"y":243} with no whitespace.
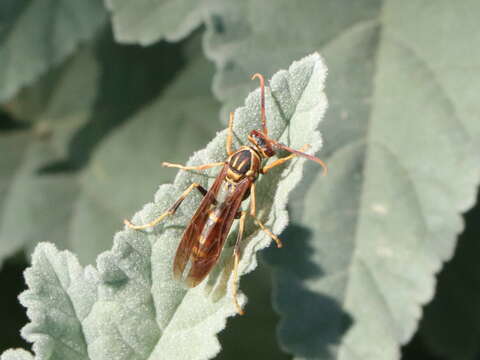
{"x":312,"y":323}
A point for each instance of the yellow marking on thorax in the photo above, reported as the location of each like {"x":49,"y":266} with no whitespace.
{"x":235,"y":162}
{"x":241,"y":164}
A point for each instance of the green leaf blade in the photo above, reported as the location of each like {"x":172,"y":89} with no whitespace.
{"x":145,"y":23}
{"x":401,"y":152}
{"x":72,"y":109}
{"x":133,"y":308}
{"x":51,"y":30}
{"x":11,"y":165}
{"x":55,"y":112}
{"x":59,"y":297}
{"x":122,"y":321}
{"x":16,"y":354}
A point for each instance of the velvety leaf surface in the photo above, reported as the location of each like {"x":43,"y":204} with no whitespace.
{"x":135,"y":309}
{"x":399,"y":144}
{"x":147,"y":21}
{"x":35,"y":35}
{"x":17,"y":354}
{"x":60,"y":296}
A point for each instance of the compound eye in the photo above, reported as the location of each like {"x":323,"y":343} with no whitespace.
{"x":260,"y":141}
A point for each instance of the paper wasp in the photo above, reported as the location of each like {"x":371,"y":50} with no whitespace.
{"x":203,"y":239}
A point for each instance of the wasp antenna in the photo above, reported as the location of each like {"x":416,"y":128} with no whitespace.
{"x":262,"y":100}
{"x":300,"y":153}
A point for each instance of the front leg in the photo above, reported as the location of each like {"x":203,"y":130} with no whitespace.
{"x":236,"y":257}
{"x":198,"y":167}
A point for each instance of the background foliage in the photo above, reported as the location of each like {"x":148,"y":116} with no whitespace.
{"x":91,"y":104}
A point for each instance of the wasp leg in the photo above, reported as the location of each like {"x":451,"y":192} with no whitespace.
{"x":269,"y":233}
{"x":281,"y":161}
{"x":198,"y":167}
{"x":170,"y":211}
{"x":230,"y":135}
{"x":253,"y":200}
{"x":236,"y":254}
{"x":253,"y":211}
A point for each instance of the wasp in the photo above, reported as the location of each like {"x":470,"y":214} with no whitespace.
{"x":203,"y":239}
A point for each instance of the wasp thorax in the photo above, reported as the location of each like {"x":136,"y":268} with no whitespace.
{"x":245,"y":162}
{"x":241,"y":161}
{"x":262,"y":143}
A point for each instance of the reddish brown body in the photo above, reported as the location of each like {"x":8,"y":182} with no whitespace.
{"x":204,"y":237}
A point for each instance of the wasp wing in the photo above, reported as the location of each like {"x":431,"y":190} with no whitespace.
{"x":205,"y":254}
{"x":209,"y":251}
{"x":197,"y":222}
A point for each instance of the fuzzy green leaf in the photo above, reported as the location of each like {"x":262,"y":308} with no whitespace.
{"x":372,"y":235}
{"x":35,"y":35}
{"x":146,"y":21}
{"x":60,"y":296}
{"x":17,"y":354}
{"x":140,"y":312}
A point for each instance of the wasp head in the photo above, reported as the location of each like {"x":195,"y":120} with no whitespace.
{"x":262,"y":143}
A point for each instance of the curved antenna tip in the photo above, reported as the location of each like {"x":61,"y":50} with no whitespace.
{"x":303,"y":154}
{"x":262,"y":100}
{"x":325,"y":169}
{"x":257,"y":75}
